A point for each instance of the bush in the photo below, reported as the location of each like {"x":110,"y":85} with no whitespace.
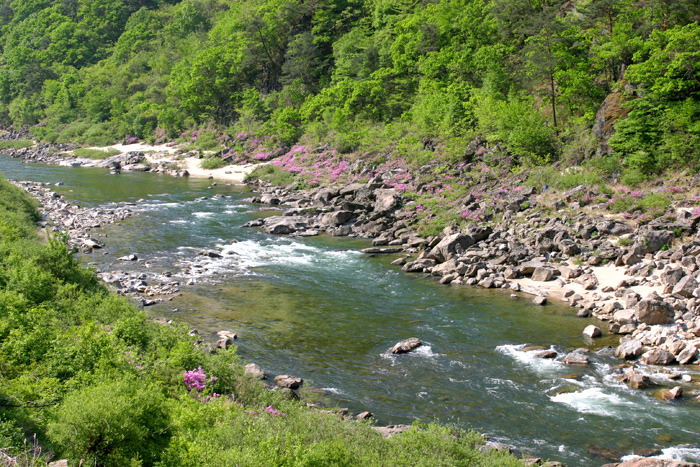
{"x":114,"y":423}
{"x":211,"y":163}
{"x":16,"y":144}
{"x":272,"y":174}
{"x":95,"y":153}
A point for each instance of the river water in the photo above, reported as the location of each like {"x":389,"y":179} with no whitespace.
{"x":319,"y":309}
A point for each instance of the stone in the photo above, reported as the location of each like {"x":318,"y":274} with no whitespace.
{"x":542,"y":274}
{"x":210,"y":254}
{"x":575,"y":358}
{"x":255,"y":371}
{"x":656,"y":239}
{"x":636,"y":380}
{"x":363,"y":415}
{"x":672,"y":394}
{"x":226,"y":339}
{"x":451,"y":246}
{"x":289,"y":382}
{"x":651,"y":311}
{"x":624,"y":316}
{"x":687,"y":355}
{"x":406,"y":346}
{"x":658,"y":357}
{"x":685,"y":287}
{"x":546,"y":354}
{"x":539,"y":300}
{"x":591,"y":331}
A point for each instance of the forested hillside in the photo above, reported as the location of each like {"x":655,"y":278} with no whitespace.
{"x":415,"y":78}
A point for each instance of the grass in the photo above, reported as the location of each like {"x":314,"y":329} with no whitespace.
{"x":272,"y":174}
{"x":16,"y":144}
{"x":96,"y":153}
{"x":211,"y":163}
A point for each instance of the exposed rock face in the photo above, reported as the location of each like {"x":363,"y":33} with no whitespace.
{"x":406,"y":346}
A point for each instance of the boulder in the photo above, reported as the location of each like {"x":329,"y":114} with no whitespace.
{"x":658,"y":357}
{"x":539,"y":300}
{"x":671,"y":277}
{"x":387,"y":200}
{"x":636,"y":380}
{"x":592,"y":331}
{"x":687,"y":355}
{"x":406,"y":346}
{"x":255,"y":371}
{"x":575,"y":358}
{"x":289,"y":382}
{"x":629,"y":349}
{"x":685,"y":287}
{"x":542,"y":274}
{"x":656,"y":239}
{"x":671,"y":394}
{"x":650,"y":311}
{"x":451,"y":246}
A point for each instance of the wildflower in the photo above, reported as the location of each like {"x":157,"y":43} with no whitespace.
{"x":274,"y":412}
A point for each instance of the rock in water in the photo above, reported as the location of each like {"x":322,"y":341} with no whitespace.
{"x":575,"y":358}
{"x":592,"y":331}
{"x":406,"y":346}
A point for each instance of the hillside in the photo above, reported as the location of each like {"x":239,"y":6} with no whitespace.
{"x":390,"y":78}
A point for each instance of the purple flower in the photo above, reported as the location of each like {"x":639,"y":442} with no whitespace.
{"x":274,"y":412}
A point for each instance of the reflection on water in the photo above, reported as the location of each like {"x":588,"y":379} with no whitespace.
{"x":318,"y":309}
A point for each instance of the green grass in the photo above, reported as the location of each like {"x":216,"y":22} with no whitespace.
{"x":272,"y":174}
{"x":211,"y":163}
{"x":96,"y":153}
{"x":16,"y":144}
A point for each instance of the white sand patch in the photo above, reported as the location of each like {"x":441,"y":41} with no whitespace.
{"x":193,"y":165}
{"x":608,"y":275}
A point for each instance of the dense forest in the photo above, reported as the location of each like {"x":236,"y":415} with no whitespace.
{"x":418,"y":78}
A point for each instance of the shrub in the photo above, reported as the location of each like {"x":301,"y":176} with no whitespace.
{"x":16,"y":144}
{"x":114,"y":423}
{"x":96,"y":153}
{"x":271,"y":174}
{"x":211,"y":163}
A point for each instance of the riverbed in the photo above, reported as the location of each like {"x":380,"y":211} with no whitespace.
{"x":319,"y":309}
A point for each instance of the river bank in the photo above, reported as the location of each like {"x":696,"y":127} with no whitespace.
{"x":488,"y":240}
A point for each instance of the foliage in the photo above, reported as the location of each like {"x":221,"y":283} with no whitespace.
{"x":211,"y":163}
{"x":95,"y":153}
{"x":272,"y":174}
{"x":16,"y":144}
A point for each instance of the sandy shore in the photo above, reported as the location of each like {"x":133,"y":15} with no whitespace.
{"x":193,"y":165}
{"x":608,"y":276}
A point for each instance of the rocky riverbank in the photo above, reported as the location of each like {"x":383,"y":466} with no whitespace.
{"x":544,"y":246}
{"x":642,"y":280}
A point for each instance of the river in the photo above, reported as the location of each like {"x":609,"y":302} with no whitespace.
{"x":319,"y":309}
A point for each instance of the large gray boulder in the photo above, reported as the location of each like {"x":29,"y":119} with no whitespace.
{"x":386,"y":200}
{"x":652,"y":311}
{"x":451,"y":246}
{"x":656,"y":239}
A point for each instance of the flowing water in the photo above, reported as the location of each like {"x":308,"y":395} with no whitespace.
{"x":319,"y":309}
